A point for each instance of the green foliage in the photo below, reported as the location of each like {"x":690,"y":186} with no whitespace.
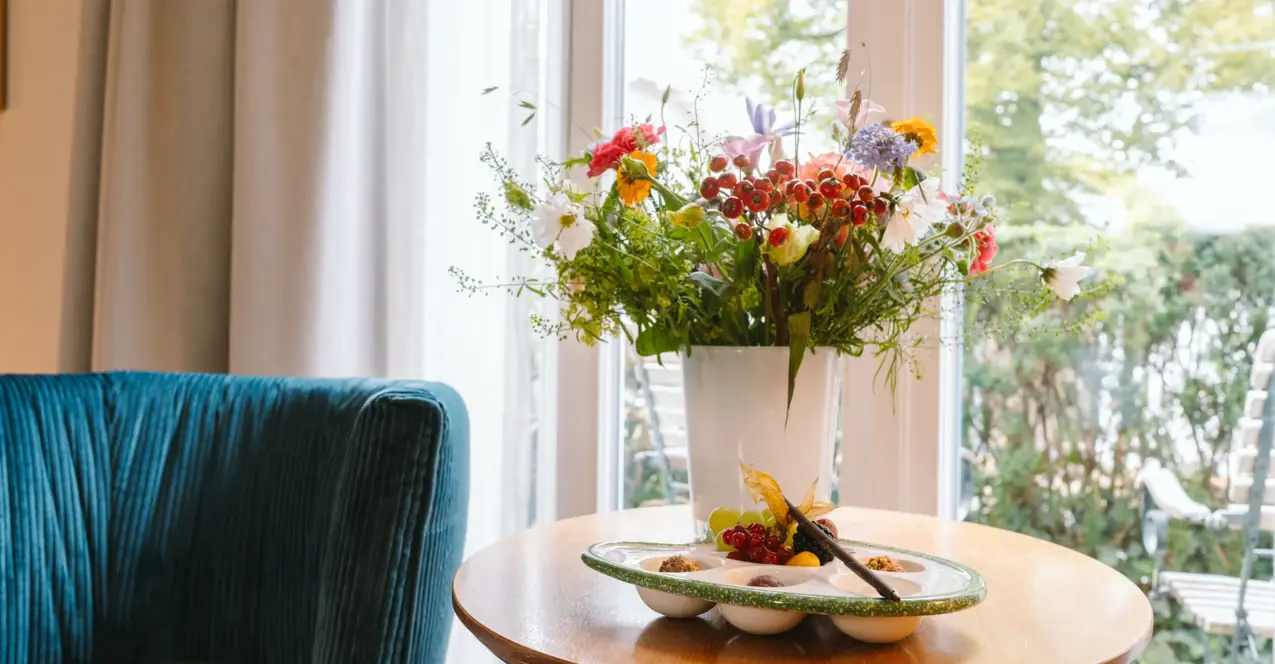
{"x":1059,"y":426}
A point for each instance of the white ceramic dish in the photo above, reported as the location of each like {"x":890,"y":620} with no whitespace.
{"x":929,"y":585}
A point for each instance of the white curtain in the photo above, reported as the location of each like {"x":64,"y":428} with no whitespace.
{"x":254,"y":211}
{"x":280,"y":187}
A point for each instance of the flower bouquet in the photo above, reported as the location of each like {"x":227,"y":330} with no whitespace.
{"x":695,"y":245}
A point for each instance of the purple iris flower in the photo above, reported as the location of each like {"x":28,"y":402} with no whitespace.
{"x":765,"y":133}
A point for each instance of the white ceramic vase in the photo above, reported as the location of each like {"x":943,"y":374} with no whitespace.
{"x":735,"y":411}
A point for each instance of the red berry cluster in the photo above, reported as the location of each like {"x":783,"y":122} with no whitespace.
{"x":754,"y":544}
{"x":846,"y":198}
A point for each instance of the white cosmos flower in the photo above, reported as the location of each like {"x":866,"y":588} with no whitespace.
{"x":1063,"y":277}
{"x":563,"y":222}
{"x":918,"y":208}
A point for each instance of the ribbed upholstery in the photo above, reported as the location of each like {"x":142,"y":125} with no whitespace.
{"x":181,"y":517}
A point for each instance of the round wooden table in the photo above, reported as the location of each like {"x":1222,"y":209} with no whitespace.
{"x":530,"y":599}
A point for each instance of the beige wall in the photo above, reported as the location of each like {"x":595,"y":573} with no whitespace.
{"x":41,"y":322}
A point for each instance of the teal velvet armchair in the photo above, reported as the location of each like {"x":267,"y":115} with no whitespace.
{"x":198,"y":518}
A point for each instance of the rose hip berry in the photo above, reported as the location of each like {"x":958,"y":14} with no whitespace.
{"x":880,"y":207}
{"x":859,"y":215}
{"x":764,"y":185}
{"x":727,"y":180}
{"x":825,"y":174}
{"x":785,"y":167}
{"x":744,"y":233}
{"x":776,"y":198}
{"x":816,"y":201}
{"x":800,"y":193}
{"x":774,"y":176}
{"x":718,"y":163}
{"x":742,"y":189}
{"x":776,"y":239}
{"x":830,"y":188}
{"x":757,"y":201}
{"x":741,"y":162}
{"x":840,"y":208}
{"x":852,"y":181}
{"x":732,"y":208}
{"x":866,"y":194}
{"x":709,"y":187}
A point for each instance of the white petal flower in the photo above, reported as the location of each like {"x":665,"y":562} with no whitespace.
{"x":563,"y":222}
{"x":918,"y":208}
{"x":1064,"y":276}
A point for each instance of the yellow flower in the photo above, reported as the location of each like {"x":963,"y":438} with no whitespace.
{"x":920,"y":132}
{"x":632,"y":190}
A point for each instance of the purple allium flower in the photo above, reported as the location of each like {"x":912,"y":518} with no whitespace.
{"x":880,"y":147}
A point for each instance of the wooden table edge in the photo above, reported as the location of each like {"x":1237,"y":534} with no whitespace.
{"x":516,"y":653}
{"x":505,"y":650}
{"x":1137,"y":647}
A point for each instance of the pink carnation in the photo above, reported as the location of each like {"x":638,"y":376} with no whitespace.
{"x":985,"y":244}
{"x":607,"y":155}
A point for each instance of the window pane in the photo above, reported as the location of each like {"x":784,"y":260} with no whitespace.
{"x":1136,"y":126}
{"x":709,"y":55}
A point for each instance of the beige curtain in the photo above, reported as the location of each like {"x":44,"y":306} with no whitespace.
{"x":238,"y":191}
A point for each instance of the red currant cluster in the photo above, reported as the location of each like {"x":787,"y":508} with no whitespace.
{"x":754,"y":543}
{"x":845,"y":198}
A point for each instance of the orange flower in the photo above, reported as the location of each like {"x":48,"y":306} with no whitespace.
{"x":833,"y":161}
{"x":632,"y":190}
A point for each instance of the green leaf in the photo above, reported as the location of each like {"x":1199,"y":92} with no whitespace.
{"x":911,"y":177}
{"x":490,"y":90}
{"x":712,"y":290}
{"x":798,"y":337}
{"x":527,"y":105}
{"x":528,"y":119}
{"x":656,"y":340}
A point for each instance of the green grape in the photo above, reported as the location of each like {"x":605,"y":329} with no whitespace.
{"x":749,"y":518}
{"x":767,"y":519}
{"x":721,"y":545}
{"x":722,"y":518}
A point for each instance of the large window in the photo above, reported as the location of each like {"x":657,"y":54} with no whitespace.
{"x":1134,"y":125}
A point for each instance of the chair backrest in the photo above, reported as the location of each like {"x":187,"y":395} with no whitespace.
{"x":176,"y":517}
{"x":1244,"y":447}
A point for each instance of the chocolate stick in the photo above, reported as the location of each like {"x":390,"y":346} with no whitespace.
{"x":831,"y":546}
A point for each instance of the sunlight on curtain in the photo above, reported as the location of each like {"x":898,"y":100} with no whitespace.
{"x":445,"y":56}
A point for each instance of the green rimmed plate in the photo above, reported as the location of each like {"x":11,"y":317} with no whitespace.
{"x":930,"y":585}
